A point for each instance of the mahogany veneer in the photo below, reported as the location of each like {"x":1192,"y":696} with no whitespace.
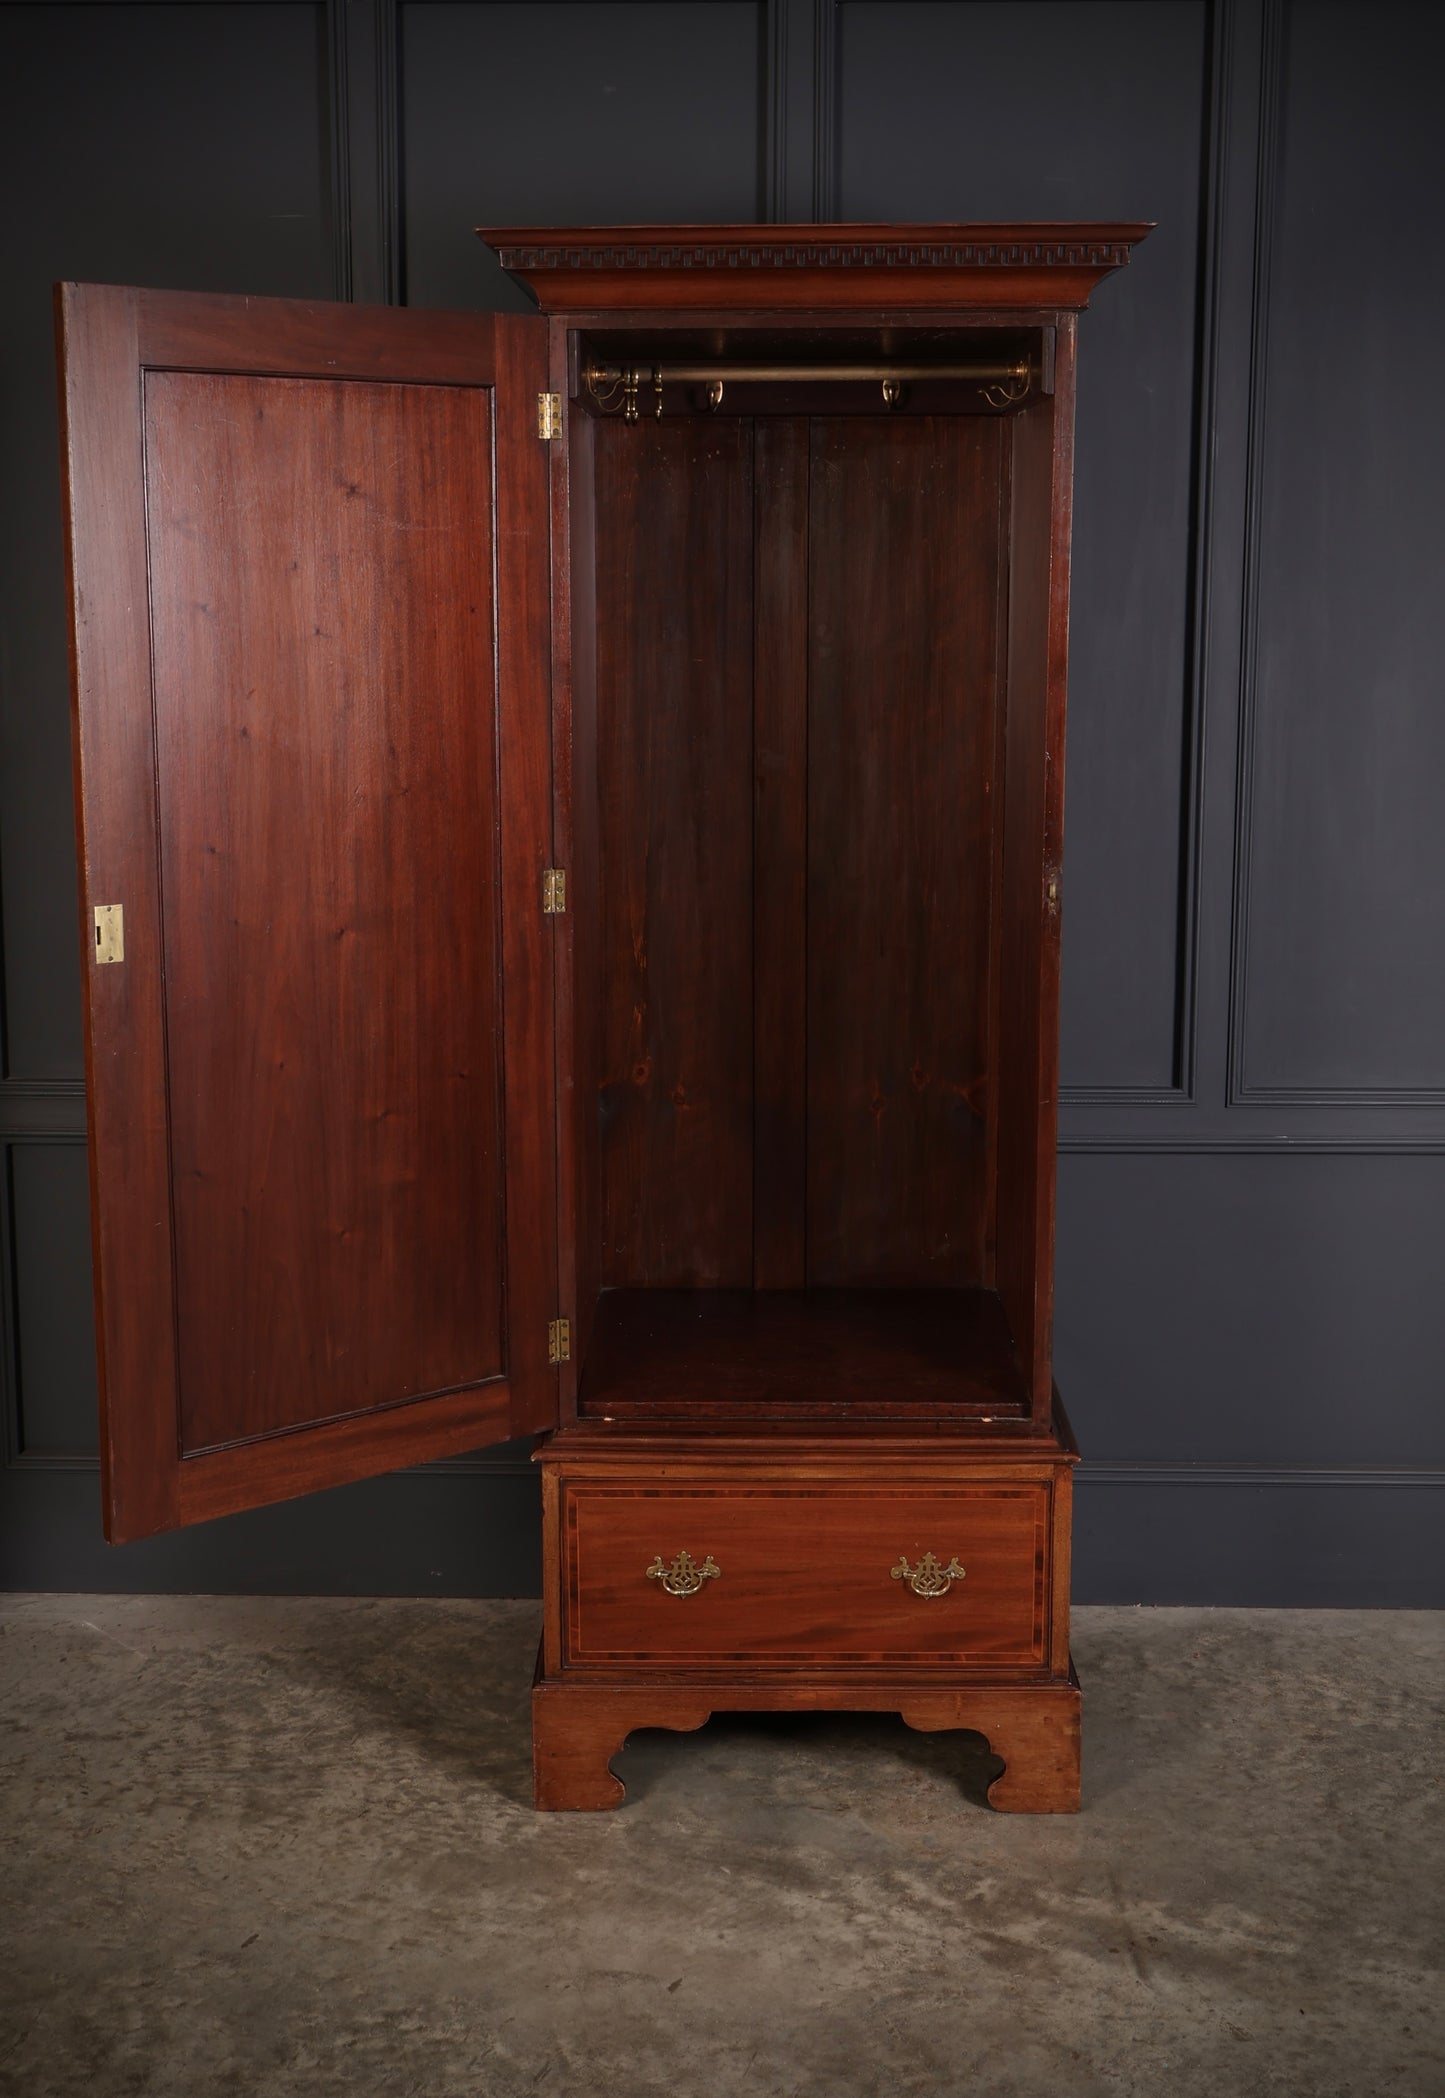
{"x":845,"y":1354}
{"x":843,"y":267}
{"x":1033,"y":1728}
{"x":805,"y":1574}
{"x":799,"y":1607}
{"x":735,"y":1179}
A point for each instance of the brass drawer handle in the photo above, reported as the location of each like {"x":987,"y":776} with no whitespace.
{"x":684,"y":1576}
{"x":930,"y":1576}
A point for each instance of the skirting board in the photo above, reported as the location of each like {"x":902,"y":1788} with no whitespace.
{"x":1157,"y":1534}
{"x":1281,"y":1538}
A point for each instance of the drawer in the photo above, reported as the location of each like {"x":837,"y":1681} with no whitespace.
{"x":798,"y":1576}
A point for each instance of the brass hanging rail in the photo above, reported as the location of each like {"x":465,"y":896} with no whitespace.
{"x":614,"y":386}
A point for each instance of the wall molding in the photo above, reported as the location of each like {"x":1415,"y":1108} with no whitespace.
{"x":1261,"y":1537}
{"x":479,"y":1466}
{"x":52,"y":1111}
{"x":1311,"y":1143}
{"x":12,"y":1456}
{"x":9,"y":1336}
{"x":778,"y":129}
{"x":1349,"y":1478}
{"x":1214,"y":172}
{"x":799,"y":63}
{"x":1261,"y":1475}
{"x":362,"y":120}
{"x":827,"y":85}
{"x":42,"y":1110}
{"x":336,"y":118}
{"x":1338,"y":1096}
{"x":1242,"y":1091}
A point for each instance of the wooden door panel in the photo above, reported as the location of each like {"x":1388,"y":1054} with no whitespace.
{"x":314,"y":767}
{"x":329,"y":887}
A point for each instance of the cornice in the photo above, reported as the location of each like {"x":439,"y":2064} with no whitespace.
{"x":850,"y":265}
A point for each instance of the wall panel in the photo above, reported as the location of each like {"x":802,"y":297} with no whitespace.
{"x":49,"y":1378}
{"x":1339,"y":988}
{"x":556,"y":112}
{"x":183,"y":146}
{"x":1249,"y":1311}
{"x":1248,"y":1327}
{"x":1084,"y":109}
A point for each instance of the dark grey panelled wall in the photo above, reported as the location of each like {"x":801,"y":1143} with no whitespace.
{"x":1251,"y":1329}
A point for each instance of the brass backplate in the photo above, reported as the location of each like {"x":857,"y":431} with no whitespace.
{"x":684,"y":1576}
{"x":109,"y":932}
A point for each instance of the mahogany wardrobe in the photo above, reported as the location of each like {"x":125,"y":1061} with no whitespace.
{"x":570,"y":817}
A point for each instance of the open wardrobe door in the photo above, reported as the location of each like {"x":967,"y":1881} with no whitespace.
{"x":309,"y":572}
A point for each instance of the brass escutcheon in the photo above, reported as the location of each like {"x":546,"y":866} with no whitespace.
{"x":930,"y":1576}
{"x":684,"y":1576}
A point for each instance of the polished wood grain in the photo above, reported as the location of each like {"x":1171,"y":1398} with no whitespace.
{"x":1036,"y":1733}
{"x":914,"y":1450}
{"x":806,"y":1575}
{"x":1062,"y":1553}
{"x":579,"y":1727}
{"x":280,"y":1467}
{"x":854,"y":267}
{"x":285,"y":775}
{"x":308,"y":338}
{"x":904,"y":582}
{"x":524,"y":695}
{"x":603,"y":1486}
{"x":1032,"y":873}
{"x":677,"y":1385}
{"x":577,"y":815}
{"x":784,"y":1430}
{"x":780,"y":854}
{"x":789,"y":709}
{"x":575,"y":1737}
{"x":116,"y":832}
{"x":331,"y":893}
{"x":674,"y":708}
{"x":549,"y":1657}
{"x":802,"y":1354}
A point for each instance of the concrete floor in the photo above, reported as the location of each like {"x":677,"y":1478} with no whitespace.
{"x":282,"y":1847}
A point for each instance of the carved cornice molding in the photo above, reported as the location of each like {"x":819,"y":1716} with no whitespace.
{"x":754,"y":253}
{"x":632,"y":266}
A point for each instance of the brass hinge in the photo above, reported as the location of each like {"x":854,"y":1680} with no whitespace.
{"x":554,"y":891}
{"x":109,"y":932}
{"x":559,"y":1340}
{"x":549,"y":416}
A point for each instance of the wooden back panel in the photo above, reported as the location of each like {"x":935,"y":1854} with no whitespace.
{"x":902,"y":700}
{"x":796,"y":720}
{"x":674,"y":785}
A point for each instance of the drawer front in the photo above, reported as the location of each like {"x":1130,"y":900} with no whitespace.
{"x":805,"y":1577}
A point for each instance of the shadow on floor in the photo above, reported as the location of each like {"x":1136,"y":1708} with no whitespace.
{"x":455,"y":1683}
{"x":838,"y":1741}
{"x":451,"y":1680}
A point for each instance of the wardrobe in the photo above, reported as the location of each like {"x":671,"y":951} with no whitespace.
{"x":570,"y":814}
